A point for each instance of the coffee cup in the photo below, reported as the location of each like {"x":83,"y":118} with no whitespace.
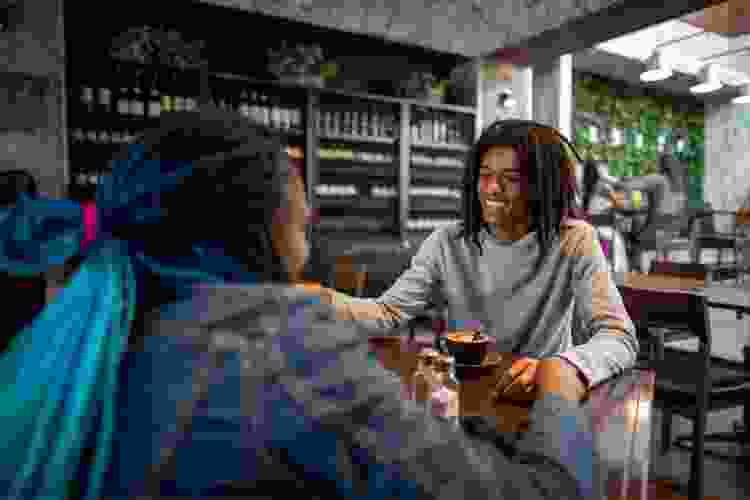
{"x":467,"y":347}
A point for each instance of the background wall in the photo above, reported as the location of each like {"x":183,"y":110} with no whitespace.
{"x":727,"y":184}
{"x":35,"y":46}
{"x":611,"y":104}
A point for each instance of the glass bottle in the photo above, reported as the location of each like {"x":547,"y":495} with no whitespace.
{"x":87,"y":98}
{"x":375,"y":124}
{"x":136,"y":96}
{"x":105,"y":99}
{"x":167,"y":103}
{"x":244,"y":106}
{"x":423,"y":378}
{"x":265,"y":110}
{"x":335,"y":123}
{"x":153,"y":110}
{"x":123,"y":94}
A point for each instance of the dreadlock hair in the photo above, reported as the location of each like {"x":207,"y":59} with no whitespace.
{"x":552,"y":189}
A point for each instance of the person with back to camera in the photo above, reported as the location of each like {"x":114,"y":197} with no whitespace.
{"x":666,"y":191}
{"x":179,"y":361}
{"x":519,"y":264}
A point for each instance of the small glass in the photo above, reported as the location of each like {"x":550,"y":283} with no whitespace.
{"x":445,"y":396}
{"x":423,"y":378}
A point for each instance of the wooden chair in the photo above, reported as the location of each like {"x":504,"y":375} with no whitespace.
{"x":368,"y":271}
{"x":690,"y":384}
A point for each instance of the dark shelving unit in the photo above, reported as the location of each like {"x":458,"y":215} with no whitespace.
{"x":381,"y":145}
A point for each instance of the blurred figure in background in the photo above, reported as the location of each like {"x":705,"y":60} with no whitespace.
{"x":666,"y":192}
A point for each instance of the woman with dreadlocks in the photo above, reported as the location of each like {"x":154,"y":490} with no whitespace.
{"x":519,"y":266}
{"x":178,"y":362}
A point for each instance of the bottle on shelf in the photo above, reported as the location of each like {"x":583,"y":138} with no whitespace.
{"x":437,"y":128}
{"x":375,"y":124}
{"x":336,"y":123}
{"x":123,"y":93}
{"x":355,"y":123}
{"x":92,"y":137}
{"x":105,"y":99}
{"x":265,"y":110}
{"x":87,"y":98}
{"x":153,"y":110}
{"x":364,"y":123}
{"x":244,"y":104}
{"x":136,"y":96}
{"x":167,"y":100}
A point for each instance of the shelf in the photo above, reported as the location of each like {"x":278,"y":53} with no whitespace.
{"x":343,"y":162}
{"x":357,"y":138}
{"x":363,"y":224}
{"x":429,"y":204}
{"x":433,"y":165}
{"x":356,"y":203}
{"x":356,"y":95}
{"x":462,"y":148}
{"x":358,"y":171}
{"x":433,"y":176}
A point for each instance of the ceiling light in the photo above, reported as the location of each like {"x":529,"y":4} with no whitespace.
{"x":709,"y":78}
{"x":743,"y":98}
{"x":656,"y":68}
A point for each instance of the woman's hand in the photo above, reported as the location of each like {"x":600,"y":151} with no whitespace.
{"x":518,"y":380}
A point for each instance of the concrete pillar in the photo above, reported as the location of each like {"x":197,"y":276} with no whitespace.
{"x":552,"y":93}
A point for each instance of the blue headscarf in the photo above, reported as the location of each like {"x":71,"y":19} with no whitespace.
{"x":59,"y":376}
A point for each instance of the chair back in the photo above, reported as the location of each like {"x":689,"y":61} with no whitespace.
{"x":374,"y":269}
{"x":654,"y":310}
{"x":24,"y":297}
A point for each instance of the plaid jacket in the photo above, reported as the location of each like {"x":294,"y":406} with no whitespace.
{"x":258,"y":392}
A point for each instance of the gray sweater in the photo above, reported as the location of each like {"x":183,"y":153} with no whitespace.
{"x":528,"y":312}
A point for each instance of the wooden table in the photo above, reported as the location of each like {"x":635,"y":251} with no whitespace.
{"x":620,"y":411}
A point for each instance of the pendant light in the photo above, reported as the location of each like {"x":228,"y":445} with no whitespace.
{"x":743,"y":98}
{"x":657,"y":67}
{"x":709,"y":78}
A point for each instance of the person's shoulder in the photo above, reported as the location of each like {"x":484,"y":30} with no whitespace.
{"x":577,"y":237}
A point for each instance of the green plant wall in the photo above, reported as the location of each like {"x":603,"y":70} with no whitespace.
{"x":651,"y":116}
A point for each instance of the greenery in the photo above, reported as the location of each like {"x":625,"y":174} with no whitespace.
{"x":649,"y":116}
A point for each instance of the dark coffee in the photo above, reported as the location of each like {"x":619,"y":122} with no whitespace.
{"x":468,"y":348}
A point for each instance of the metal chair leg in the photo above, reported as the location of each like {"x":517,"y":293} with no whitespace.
{"x":666,"y":431}
{"x":697,"y":459}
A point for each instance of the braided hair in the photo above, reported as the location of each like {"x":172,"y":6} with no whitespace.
{"x":551,"y":179}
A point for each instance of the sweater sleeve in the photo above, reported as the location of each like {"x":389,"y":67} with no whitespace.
{"x":612,"y":345}
{"x":411,"y":294}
